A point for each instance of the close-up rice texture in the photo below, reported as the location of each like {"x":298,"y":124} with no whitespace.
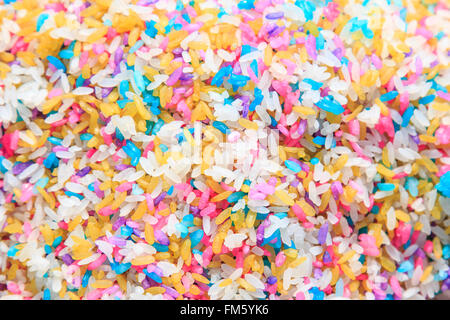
{"x":224,"y":149}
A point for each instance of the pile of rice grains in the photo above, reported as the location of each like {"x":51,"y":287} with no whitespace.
{"x":342,"y":191}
